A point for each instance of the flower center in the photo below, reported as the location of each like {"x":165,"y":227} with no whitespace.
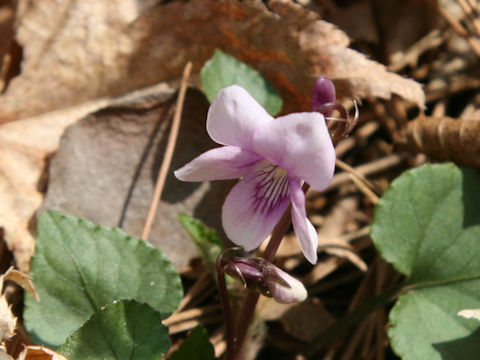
{"x":271,"y":188}
{"x":279,"y":173}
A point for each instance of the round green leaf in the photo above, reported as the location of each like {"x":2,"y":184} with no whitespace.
{"x":124,"y":330}
{"x":223,"y":70}
{"x":195,"y":347}
{"x":79,"y":267}
{"x":427,"y":225}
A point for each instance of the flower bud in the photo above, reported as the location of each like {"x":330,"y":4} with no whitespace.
{"x":323,"y":93}
{"x":289,"y":291}
{"x":257,"y":274}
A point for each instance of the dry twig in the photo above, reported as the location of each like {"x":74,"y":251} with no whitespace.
{"x":167,"y":159}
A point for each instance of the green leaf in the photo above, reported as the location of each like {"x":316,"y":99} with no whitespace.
{"x":124,"y":329}
{"x":205,"y":238}
{"x":79,"y":267}
{"x":427,"y":225}
{"x":223,"y":70}
{"x":196,"y":346}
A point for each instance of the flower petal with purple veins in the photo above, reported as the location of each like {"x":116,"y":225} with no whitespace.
{"x":299,"y":143}
{"x":226,"y":162}
{"x":234,"y":116}
{"x":255,"y":205}
{"x":306,"y":233}
{"x":273,"y":156}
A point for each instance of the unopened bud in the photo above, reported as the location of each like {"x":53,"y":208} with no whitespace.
{"x":323,"y":93}
{"x":257,"y":274}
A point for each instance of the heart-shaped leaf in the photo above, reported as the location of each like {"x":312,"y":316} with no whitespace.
{"x":79,"y":267}
{"x":223,"y":70}
{"x":427,"y":225}
{"x":124,"y":329}
{"x":195,"y":347}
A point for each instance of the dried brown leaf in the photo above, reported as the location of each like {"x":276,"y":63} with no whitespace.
{"x":306,"y":320}
{"x":25,"y":147}
{"x":356,"y":19}
{"x":107,"y":164}
{"x":341,"y":248}
{"x":8,"y":322}
{"x":25,"y":150}
{"x":7,"y":18}
{"x":269,"y":309}
{"x":33,"y":352}
{"x":4,"y":355}
{"x":444,"y":138}
{"x":106,"y":48}
{"x":21,"y":279}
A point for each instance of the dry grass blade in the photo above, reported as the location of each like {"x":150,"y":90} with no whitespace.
{"x":167,"y":160}
{"x":191,"y":314}
{"x":369,"y":168}
{"x":190,"y":324}
{"x":340,"y":248}
{"x":344,"y":166}
{"x":444,"y":138}
{"x":200,"y":287}
{"x":460,"y":30}
{"x":365,"y":189}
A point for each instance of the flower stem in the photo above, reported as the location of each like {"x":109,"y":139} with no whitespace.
{"x":227,"y":309}
{"x":251,"y":300}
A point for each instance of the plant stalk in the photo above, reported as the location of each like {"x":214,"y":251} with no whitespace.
{"x":227,"y":310}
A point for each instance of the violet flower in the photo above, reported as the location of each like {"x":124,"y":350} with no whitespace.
{"x":273,"y":157}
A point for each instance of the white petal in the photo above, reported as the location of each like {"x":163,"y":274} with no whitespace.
{"x":226,"y":162}
{"x":255,"y":205}
{"x":287,"y":295}
{"x":301,"y":144}
{"x":234,"y":116}
{"x":306,"y":233}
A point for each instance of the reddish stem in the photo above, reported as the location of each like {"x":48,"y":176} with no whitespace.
{"x":251,"y":300}
{"x":227,"y":309}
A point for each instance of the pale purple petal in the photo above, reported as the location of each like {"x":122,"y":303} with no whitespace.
{"x":255,"y":205}
{"x":323,"y":92}
{"x":234,"y":116}
{"x":301,"y":144}
{"x":226,"y":162}
{"x":296,"y":292}
{"x":306,"y":233}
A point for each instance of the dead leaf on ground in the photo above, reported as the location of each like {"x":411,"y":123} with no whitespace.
{"x":25,"y":147}
{"x":105,"y":48}
{"x":269,"y":309}
{"x":107,"y":163}
{"x":355,"y":18}
{"x":25,"y":150}
{"x":33,"y":352}
{"x":444,"y":138}
{"x":7,"y":18}
{"x":306,"y":320}
{"x":21,"y":279}
{"x":8,"y":321}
